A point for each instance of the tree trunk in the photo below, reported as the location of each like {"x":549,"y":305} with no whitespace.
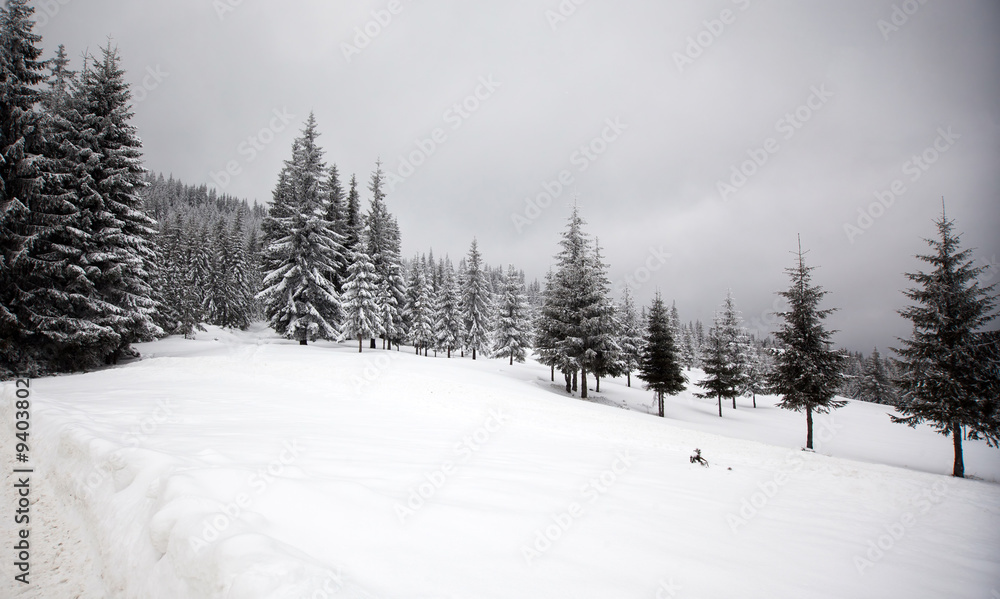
{"x":628,"y":377}
{"x":597,"y":387}
{"x":754,"y":399}
{"x":574,"y":381}
{"x":359,"y":344}
{"x":553,"y":373}
{"x":449,"y":352}
{"x":583,"y":383}
{"x":511,"y":358}
{"x":734,"y":402}
{"x":473,"y":353}
{"x":956,"y":433}
{"x":569,"y":382}
{"x":720,"y":405}
{"x":660,"y":396}
{"x":372,"y":344}
{"x":809,"y":427}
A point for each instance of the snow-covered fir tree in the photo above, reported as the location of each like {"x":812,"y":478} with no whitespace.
{"x":757,"y":373}
{"x":360,"y":301}
{"x":512,"y":337}
{"x":630,"y":336}
{"x":475,"y":302}
{"x":950,"y":364}
{"x":420,"y":309}
{"x":729,"y":328}
{"x":382,"y":236}
{"x":450,"y":325}
{"x":605,"y":354}
{"x":807,"y":371}
{"x":722,"y":375}
{"x":119,"y":177}
{"x":300,"y":297}
{"x":660,"y":367}
{"x":577,"y":323}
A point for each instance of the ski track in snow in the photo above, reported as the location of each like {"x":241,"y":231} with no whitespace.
{"x":65,"y":562}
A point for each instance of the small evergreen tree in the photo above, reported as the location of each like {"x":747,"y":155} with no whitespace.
{"x":475,"y":302}
{"x":874,"y":385}
{"x":722,"y":378}
{"x":660,"y":368}
{"x":630,"y":336}
{"x":420,"y":311}
{"x":450,"y":325}
{"x":807,"y":370}
{"x":512,"y":336}
{"x":361,"y":311}
{"x":729,"y":328}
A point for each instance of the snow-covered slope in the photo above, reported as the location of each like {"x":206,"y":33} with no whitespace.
{"x":243,"y":466}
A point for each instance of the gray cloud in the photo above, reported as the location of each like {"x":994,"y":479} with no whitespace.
{"x":656,"y":185}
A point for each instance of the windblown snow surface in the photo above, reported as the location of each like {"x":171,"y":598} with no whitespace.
{"x":240,"y":465}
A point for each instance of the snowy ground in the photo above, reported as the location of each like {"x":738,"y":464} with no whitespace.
{"x":243,"y":466}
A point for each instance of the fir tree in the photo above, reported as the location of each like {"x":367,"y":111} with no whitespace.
{"x":721,"y":374}
{"x":874,"y":385}
{"x":119,"y":176}
{"x":659,"y":366}
{"x":604,"y":358}
{"x":475,"y":300}
{"x":383,"y":241}
{"x":512,"y":335}
{"x":578,"y":330}
{"x":20,"y":74}
{"x":950,"y":366}
{"x":729,"y":328}
{"x":361,"y":311}
{"x":300,"y":297}
{"x":757,"y":374}
{"x":450,"y":325}
{"x":420,"y":310}
{"x":807,"y":370}
{"x":630,"y":336}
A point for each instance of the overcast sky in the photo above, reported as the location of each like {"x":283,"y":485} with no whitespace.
{"x":646,"y":110}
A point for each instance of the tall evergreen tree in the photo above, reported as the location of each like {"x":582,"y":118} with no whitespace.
{"x":300,"y":297}
{"x":659,"y":367}
{"x":420,"y":310}
{"x":119,"y":176}
{"x":604,"y":358}
{"x":21,"y":72}
{"x":512,"y":336}
{"x":383,"y":247}
{"x":950,"y":365}
{"x":577,"y":322}
{"x":807,"y":369}
{"x":475,"y":302}
{"x":450,"y":325}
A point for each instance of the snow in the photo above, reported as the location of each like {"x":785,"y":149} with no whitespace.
{"x":241,"y":465}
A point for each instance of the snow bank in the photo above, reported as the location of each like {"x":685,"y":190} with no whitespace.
{"x":243,"y":466}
